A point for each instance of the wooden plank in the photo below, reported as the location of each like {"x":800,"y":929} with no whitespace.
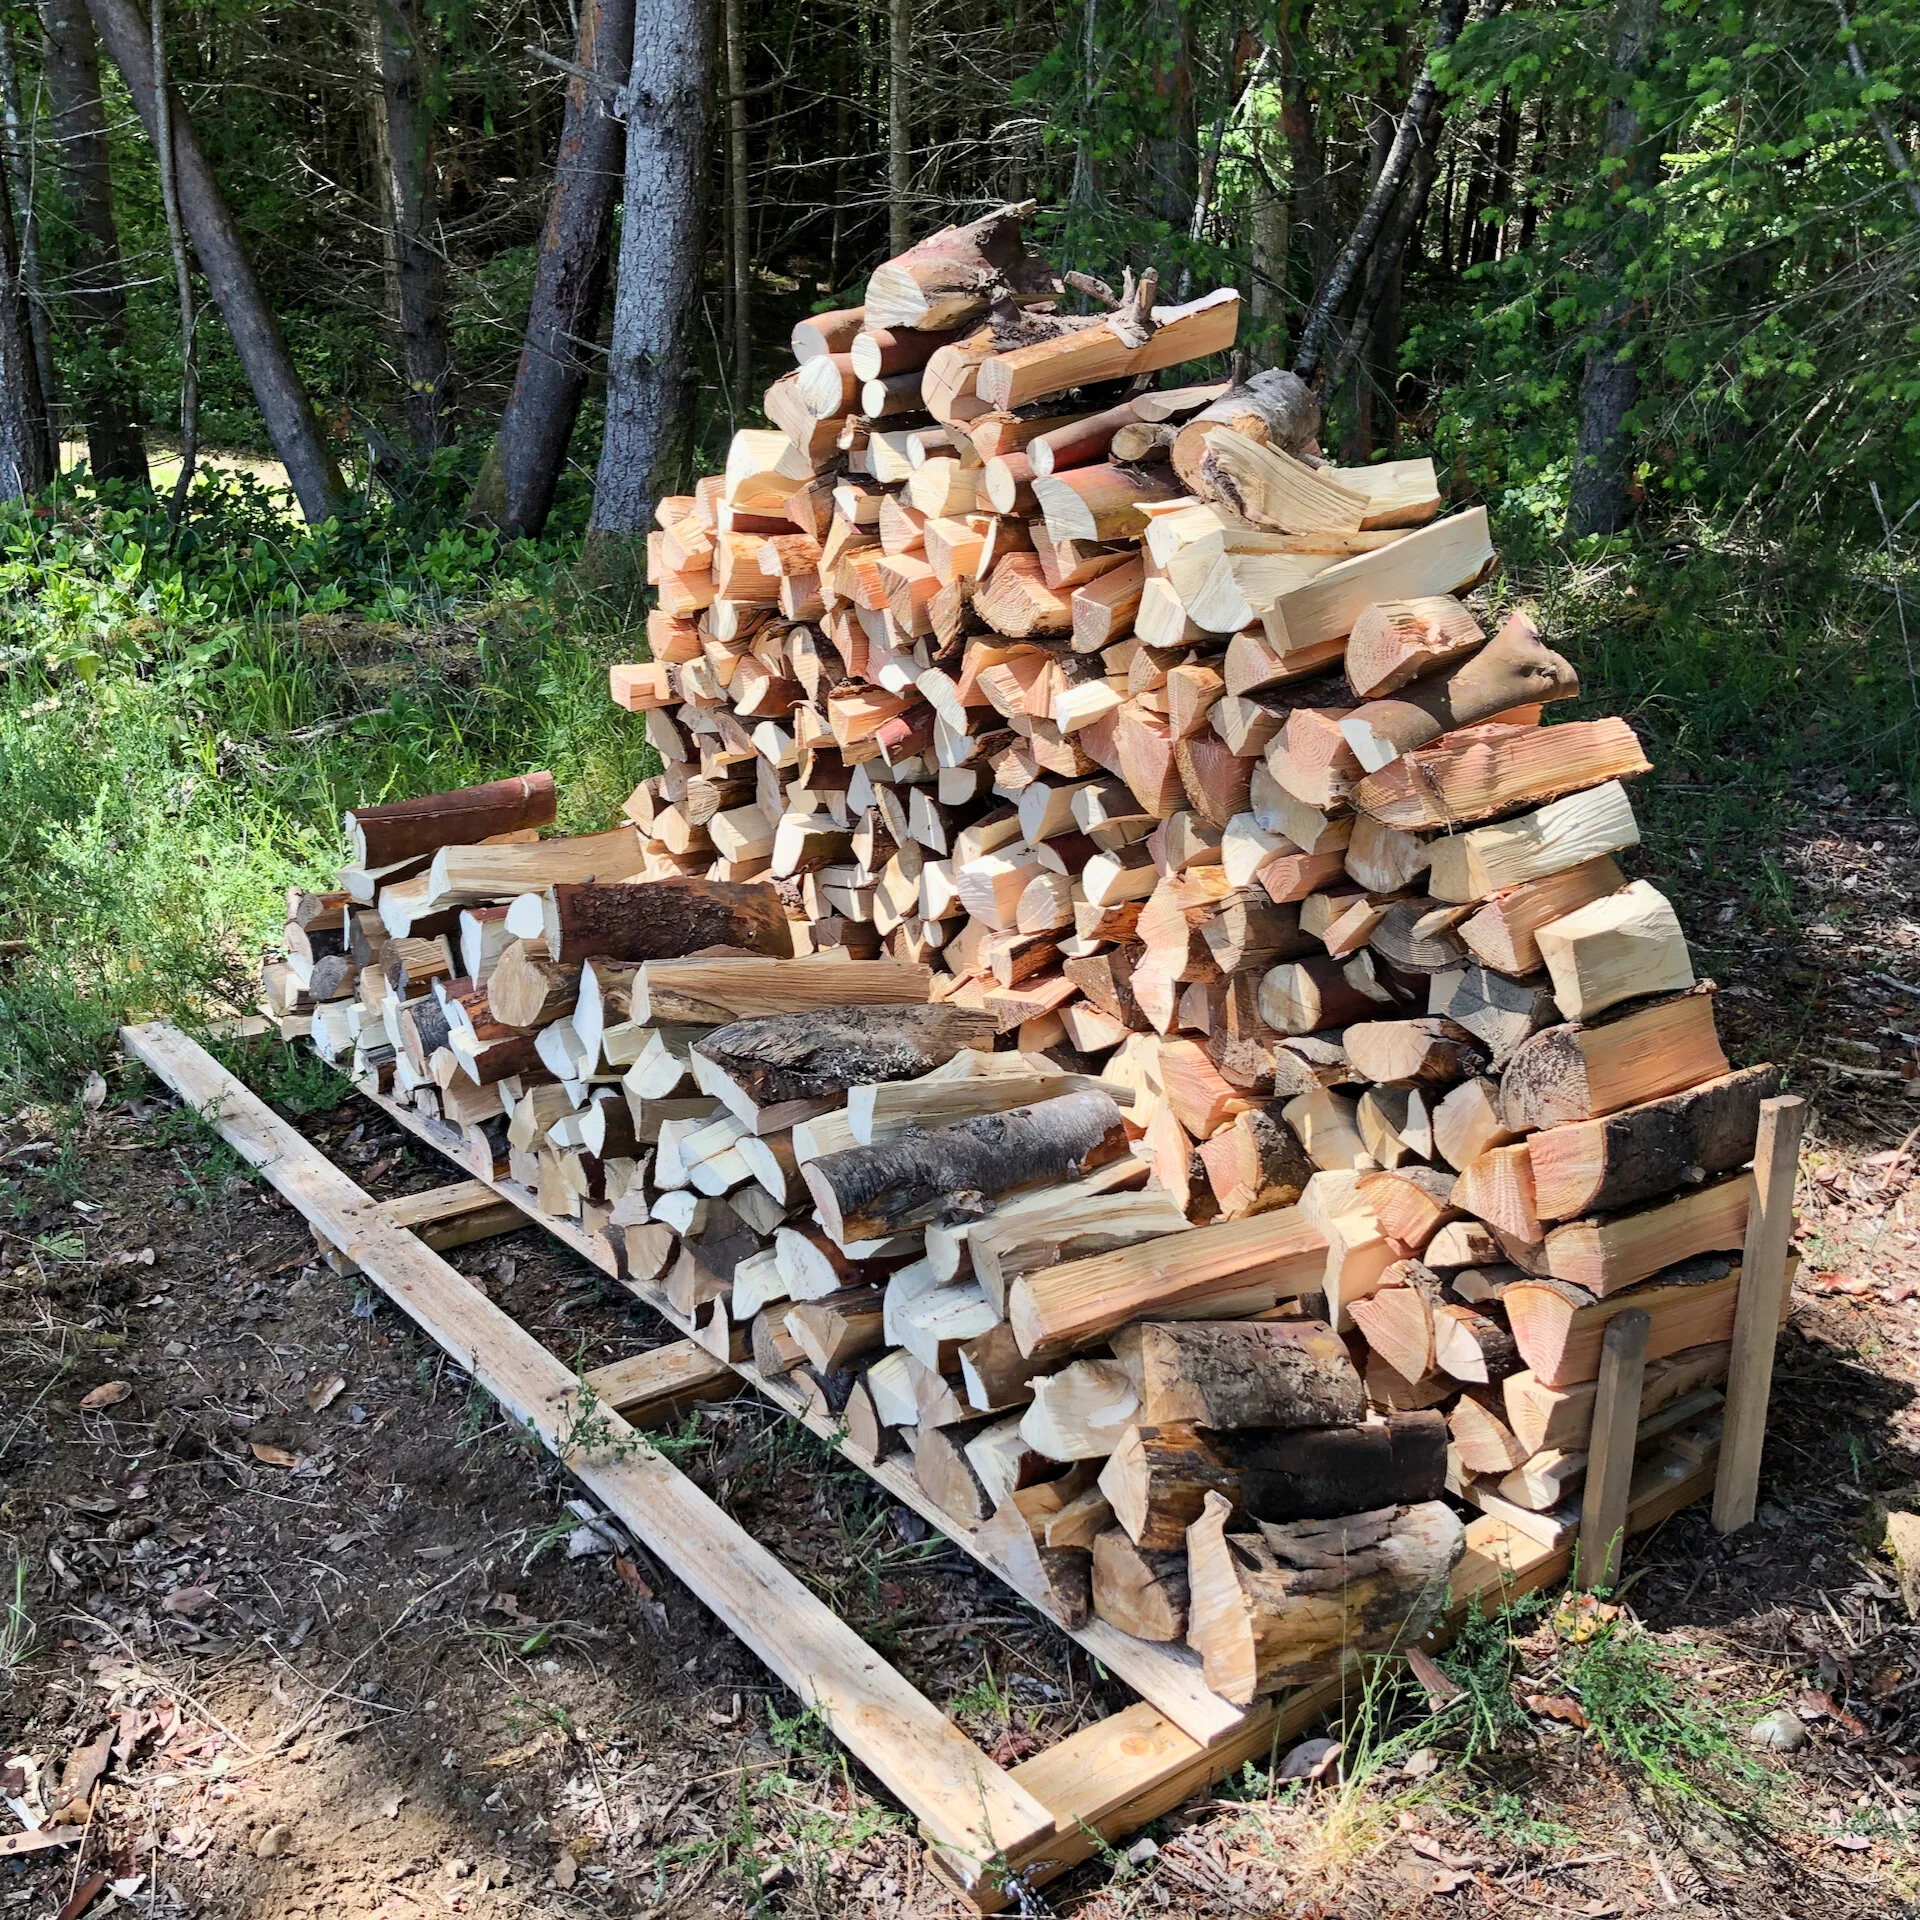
{"x":442,"y":1217}
{"x":1616,"y":1426}
{"x":652,"y":1387}
{"x":915,"y":1750}
{"x":1757,"y":1313}
{"x":1167,"y":1676}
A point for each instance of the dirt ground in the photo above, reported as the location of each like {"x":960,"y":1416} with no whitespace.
{"x":310,"y":1631}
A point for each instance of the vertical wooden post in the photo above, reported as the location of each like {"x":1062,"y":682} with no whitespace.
{"x":1616,"y":1425}
{"x":1756,"y":1319}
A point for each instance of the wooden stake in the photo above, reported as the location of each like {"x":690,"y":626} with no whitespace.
{"x":1756,"y":1319}
{"x":1616,"y":1422}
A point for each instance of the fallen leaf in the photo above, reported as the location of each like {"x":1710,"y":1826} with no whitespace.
{"x":1850,"y":1842}
{"x":323,"y":1393}
{"x":1820,"y":1705}
{"x":109,"y":1394}
{"x":79,"y":1777}
{"x":1440,"y":1687}
{"x":1310,"y":1760}
{"x":1558,"y":1706}
{"x":272,"y":1456}
{"x":566,"y":1870}
{"x":188,"y":1842}
{"x":191,"y":1601}
{"x":93,"y":1096}
{"x":630,"y":1576}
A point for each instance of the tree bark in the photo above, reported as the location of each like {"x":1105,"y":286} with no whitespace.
{"x":19,"y":179}
{"x":899,"y":125}
{"x":1241,"y":1373}
{"x":650,"y":368}
{"x":739,"y":239}
{"x":257,"y":340}
{"x":664,"y":919}
{"x":812,"y":1056}
{"x":1173,"y":154}
{"x":1600,"y":500}
{"x":24,"y":463}
{"x":1416,"y":127}
{"x":416,"y":287}
{"x":516,"y":488}
{"x":108,"y":399}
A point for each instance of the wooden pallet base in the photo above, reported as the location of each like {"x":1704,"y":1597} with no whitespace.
{"x":984,"y":1824}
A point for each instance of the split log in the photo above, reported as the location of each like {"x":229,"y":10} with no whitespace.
{"x":1312,"y":995}
{"x":1411,"y":1204}
{"x":1273,"y":409}
{"x":1500,"y":1012}
{"x":1291,"y":1605}
{"x":1512,"y":670}
{"x":1498,"y":1188}
{"x":1584,"y":1072}
{"x":945,"y":1474}
{"x":1397,"y":1318}
{"x":866,"y":1192}
{"x":464,"y":876}
{"x":1558,"y":1326}
{"x":1081,"y":1412}
{"x":396,"y":830}
{"x":1606,"y":1254}
{"x":1483,"y":1441}
{"x":1620,"y":948}
{"x":1241,"y":1266}
{"x":1057,"y":1579}
{"x":1590,"y":1166}
{"x":1472,"y":1347}
{"x":1397,"y":641}
{"x":1432,"y":1052}
{"x":1144,"y":1594}
{"x":1544,"y":1417}
{"x":1255,"y":1164}
{"x":1241,"y":1373}
{"x":1110,"y":349}
{"x":528,"y":991}
{"x":663,"y":919}
{"x":1492,"y":768}
{"x":1467,"y":1122}
{"x":714,"y":992}
{"x":1503,"y":932}
{"x":1564,"y":833}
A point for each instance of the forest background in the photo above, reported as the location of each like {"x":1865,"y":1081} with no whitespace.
{"x":1642,"y":280}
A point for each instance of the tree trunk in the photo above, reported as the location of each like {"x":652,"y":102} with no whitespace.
{"x":24,"y":465}
{"x":1173,"y":154}
{"x":108,"y":398}
{"x":19,"y":179}
{"x":416,"y":289}
{"x":650,"y":375}
{"x":1600,"y":501}
{"x":1270,"y":220}
{"x":1415,"y":129}
{"x":263,"y":355}
{"x":739,"y":238}
{"x":516,"y":488}
{"x":899,"y":125}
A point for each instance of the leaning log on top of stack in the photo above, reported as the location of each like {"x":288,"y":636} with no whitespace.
{"x":1115,"y":990}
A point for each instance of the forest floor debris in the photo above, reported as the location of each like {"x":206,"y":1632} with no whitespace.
{"x":309,"y":1631}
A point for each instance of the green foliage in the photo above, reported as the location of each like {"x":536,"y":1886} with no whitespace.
{"x":180,"y":733}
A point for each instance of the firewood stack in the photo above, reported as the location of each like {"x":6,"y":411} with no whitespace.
{"x":1114,"y":991}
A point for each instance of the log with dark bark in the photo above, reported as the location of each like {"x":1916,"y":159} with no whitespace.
{"x":664,"y":919}
{"x":1158,"y":1478}
{"x":1502,"y":1013}
{"x":1290,"y":1605}
{"x":1241,"y":1373}
{"x":782,"y":1058}
{"x":1583,"y":1072}
{"x":865,"y":1193}
{"x":955,"y":274}
{"x":277,"y":387}
{"x":1590,"y":1165}
{"x":404,"y":829}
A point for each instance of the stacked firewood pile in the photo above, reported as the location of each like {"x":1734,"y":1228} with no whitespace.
{"x":1114,"y":989}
